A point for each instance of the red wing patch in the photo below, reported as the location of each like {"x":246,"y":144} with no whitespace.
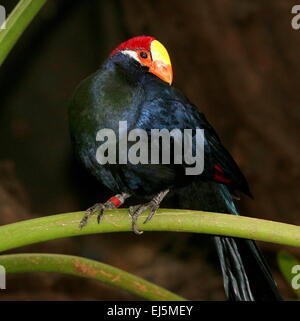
{"x":219,"y":175}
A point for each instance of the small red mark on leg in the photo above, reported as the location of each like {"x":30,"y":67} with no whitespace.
{"x":117,"y":202}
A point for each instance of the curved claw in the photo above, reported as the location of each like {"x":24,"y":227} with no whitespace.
{"x":134,"y":226}
{"x":99,"y":217}
{"x":137,"y":210}
{"x":90,"y":211}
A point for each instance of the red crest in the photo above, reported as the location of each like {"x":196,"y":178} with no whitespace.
{"x":141,"y":42}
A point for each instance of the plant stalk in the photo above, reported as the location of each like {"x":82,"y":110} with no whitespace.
{"x":78,"y":266}
{"x":65,"y":225}
{"x":16,"y":23}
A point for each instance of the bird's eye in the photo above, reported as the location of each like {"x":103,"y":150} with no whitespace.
{"x":144,"y":54}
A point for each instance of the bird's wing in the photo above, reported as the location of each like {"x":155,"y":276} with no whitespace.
{"x":177,"y":112}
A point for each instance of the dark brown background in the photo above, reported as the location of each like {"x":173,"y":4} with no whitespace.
{"x":238,"y":60}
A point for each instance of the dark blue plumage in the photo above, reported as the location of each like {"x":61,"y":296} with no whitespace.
{"x":123,"y":89}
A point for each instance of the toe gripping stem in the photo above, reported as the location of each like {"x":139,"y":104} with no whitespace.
{"x":114,"y":202}
{"x":137,"y":210}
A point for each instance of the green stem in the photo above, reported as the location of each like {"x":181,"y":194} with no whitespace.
{"x":16,"y":23}
{"x":65,"y":225}
{"x":74,"y":265}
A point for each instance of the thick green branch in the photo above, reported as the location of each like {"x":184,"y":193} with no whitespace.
{"x":16,"y":23}
{"x":74,"y":265}
{"x":65,"y":225}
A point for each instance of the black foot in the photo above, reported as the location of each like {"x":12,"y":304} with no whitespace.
{"x":113,"y":202}
{"x":137,"y":210}
{"x":98,"y":207}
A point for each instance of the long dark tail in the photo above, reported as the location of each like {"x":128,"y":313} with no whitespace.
{"x":246,"y":274}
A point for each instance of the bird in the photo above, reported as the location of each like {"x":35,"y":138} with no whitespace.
{"x":134,"y":84}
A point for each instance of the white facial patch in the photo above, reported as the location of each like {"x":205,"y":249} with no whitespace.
{"x":132,"y":54}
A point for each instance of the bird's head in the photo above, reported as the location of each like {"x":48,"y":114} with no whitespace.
{"x":150,"y":53}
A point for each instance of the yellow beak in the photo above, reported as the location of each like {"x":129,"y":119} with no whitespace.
{"x":161,"y":63}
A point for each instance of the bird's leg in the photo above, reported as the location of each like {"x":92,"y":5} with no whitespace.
{"x":137,"y":210}
{"x":114,"y":202}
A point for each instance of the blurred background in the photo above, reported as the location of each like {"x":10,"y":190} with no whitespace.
{"x":237,"y":60}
